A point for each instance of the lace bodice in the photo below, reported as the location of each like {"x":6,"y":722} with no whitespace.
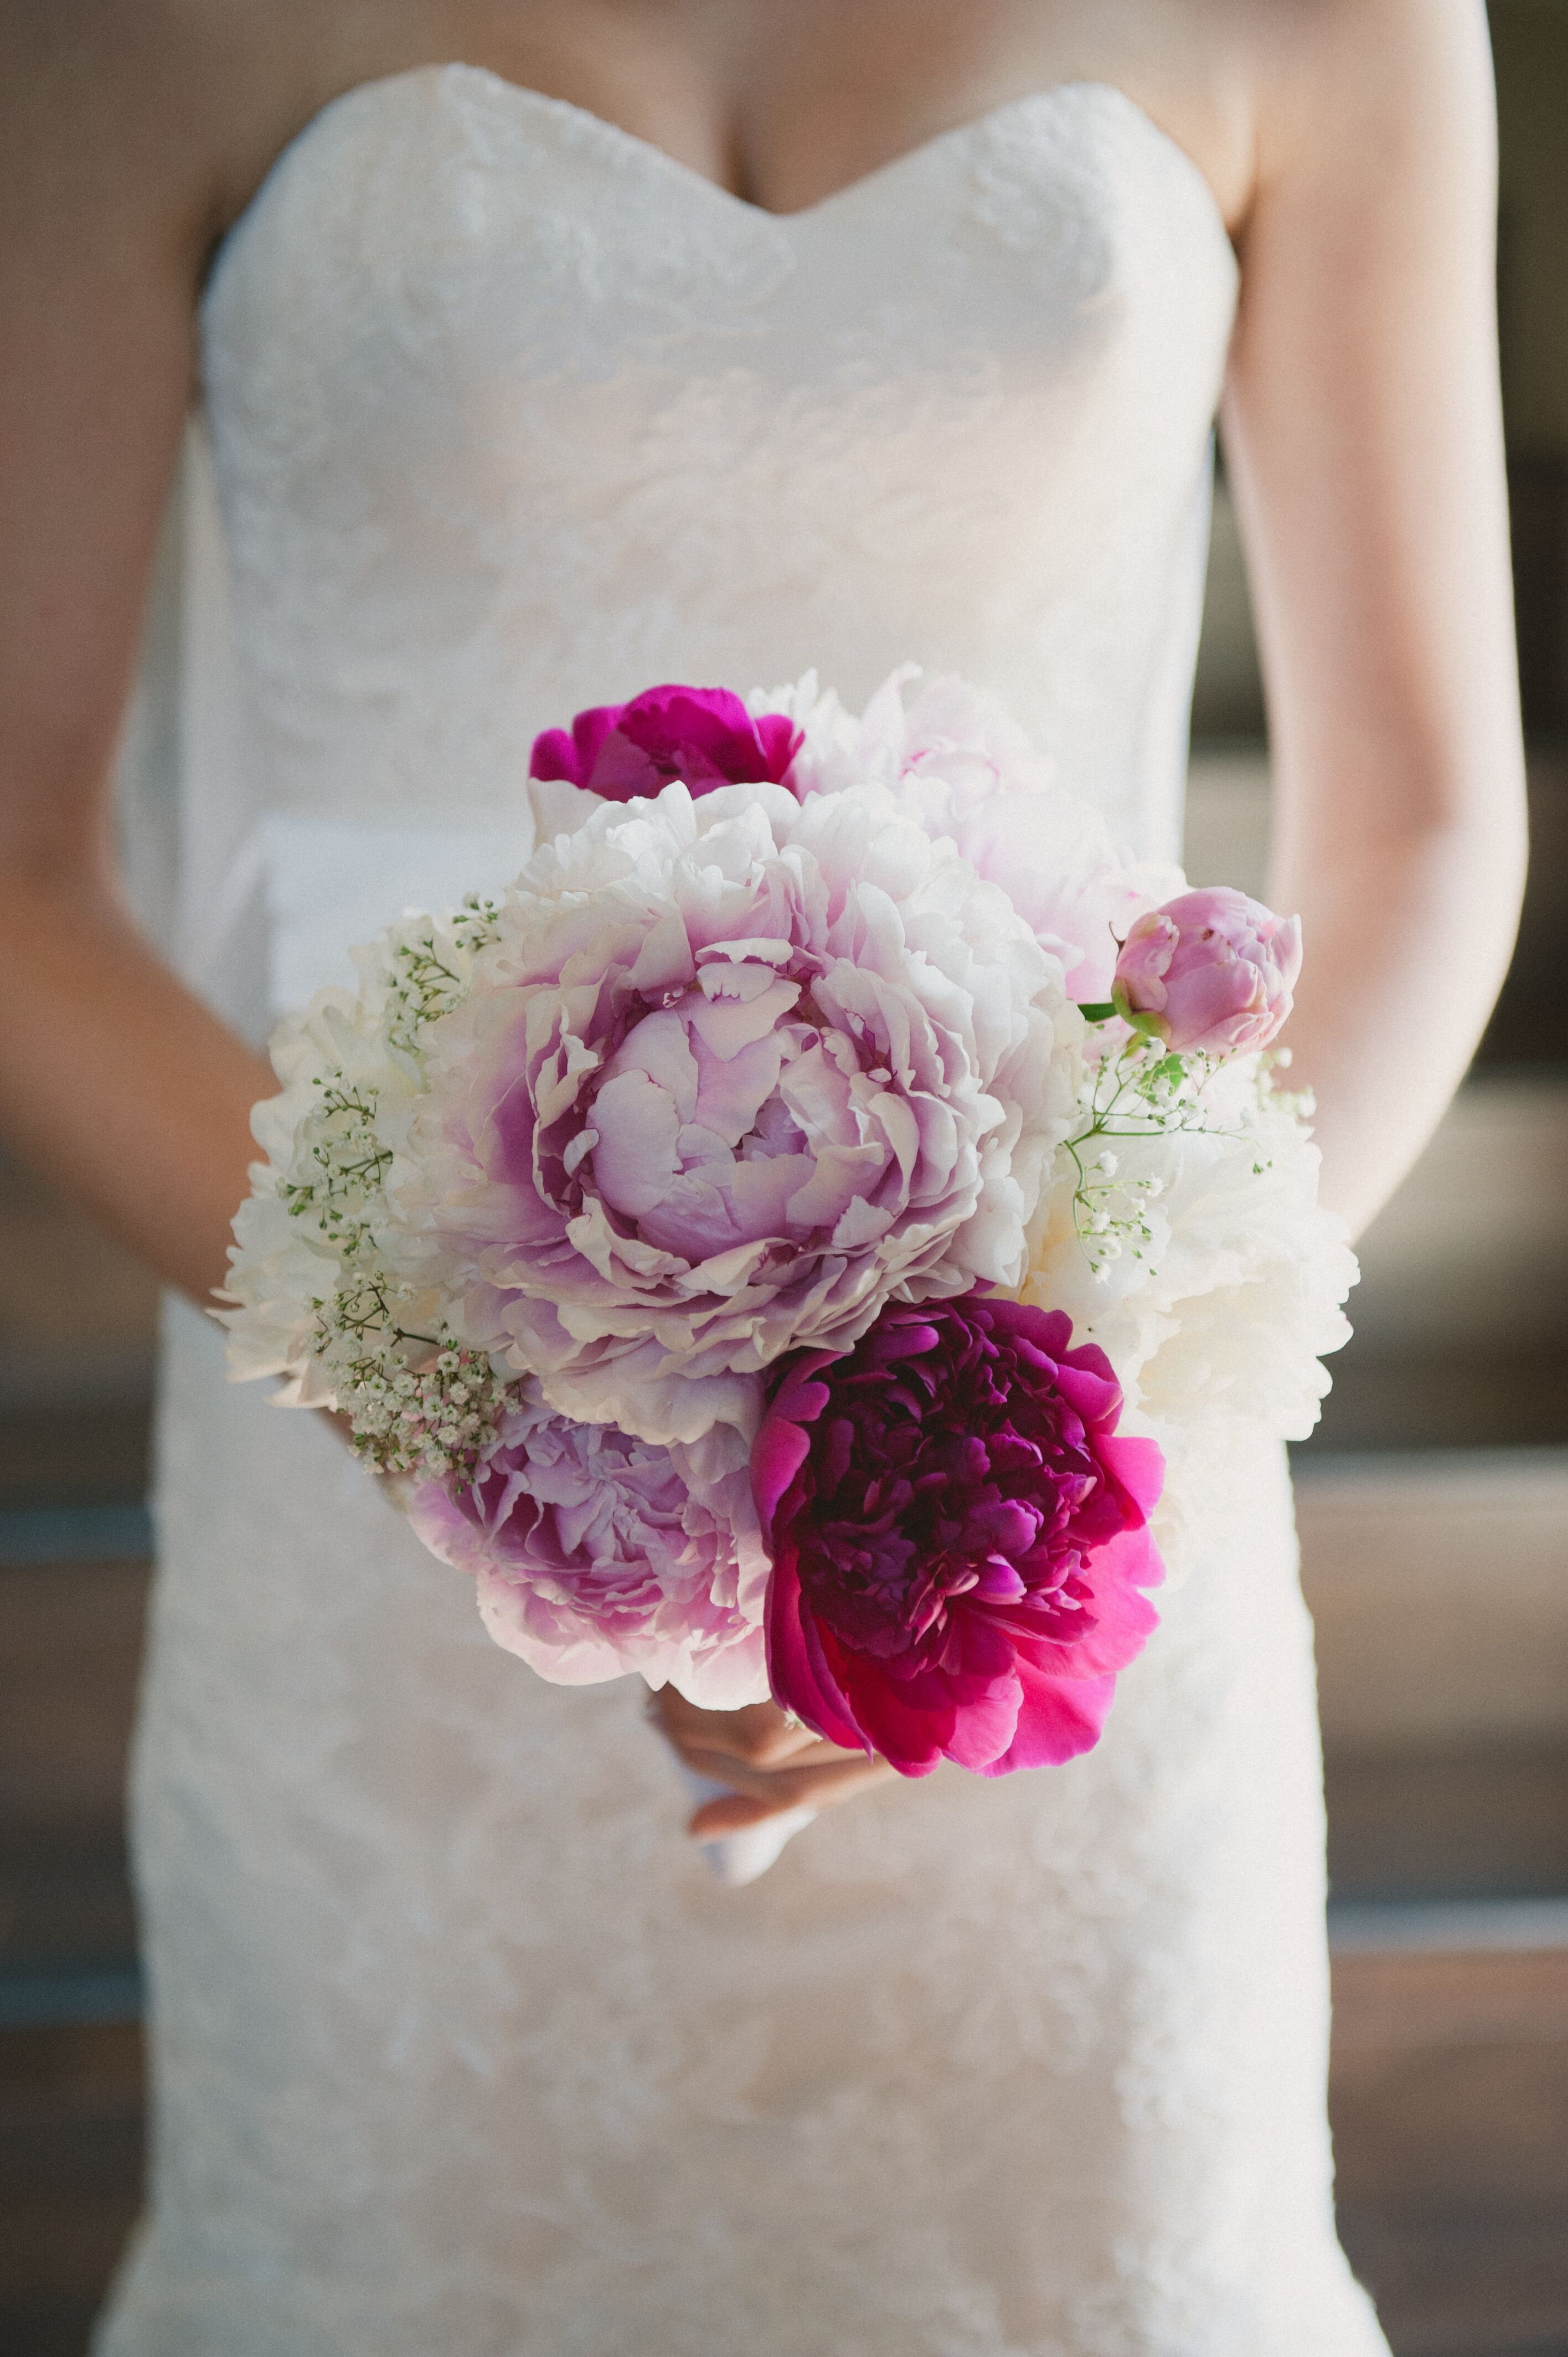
{"x":512,"y":414}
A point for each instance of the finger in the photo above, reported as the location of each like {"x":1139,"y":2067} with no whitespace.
{"x":818,"y":1786}
{"x":731,"y":1768}
{"x":733,"y":1812}
{"x":760,"y":1735}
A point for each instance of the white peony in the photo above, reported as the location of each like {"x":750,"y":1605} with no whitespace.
{"x":1224,"y":1310}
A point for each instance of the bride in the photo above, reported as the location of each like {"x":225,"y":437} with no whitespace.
{"x":542,"y":351}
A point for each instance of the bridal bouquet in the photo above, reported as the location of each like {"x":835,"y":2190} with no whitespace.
{"x":781,"y":1235}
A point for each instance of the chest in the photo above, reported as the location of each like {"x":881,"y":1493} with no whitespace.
{"x":782,"y":102}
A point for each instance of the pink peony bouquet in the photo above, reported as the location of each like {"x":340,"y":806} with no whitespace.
{"x":782,"y":1237}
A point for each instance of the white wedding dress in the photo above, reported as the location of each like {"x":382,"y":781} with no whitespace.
{"x":459,"y":2050}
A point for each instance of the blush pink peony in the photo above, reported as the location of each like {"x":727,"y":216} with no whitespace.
{"x":959,"y":1538}
{"x":594,"y":1554}
{"x":1211,"y":973}
{"x":965,"y":770}
{"x":704,"y":735}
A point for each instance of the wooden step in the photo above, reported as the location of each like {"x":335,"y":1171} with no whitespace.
{"x":1448,"y":1824}
{"x":71,"y":2136}
{"x":1460,"y":1317}
{"x":77,"y":1318}
{"x":71,"y":1638}
{"x":1438,"y":1582}
{"x":1450,"y":2107}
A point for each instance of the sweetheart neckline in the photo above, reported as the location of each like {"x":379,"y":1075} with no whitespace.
{"x":614,"y":135}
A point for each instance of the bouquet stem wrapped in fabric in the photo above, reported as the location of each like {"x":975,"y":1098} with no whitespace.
{"x":782,"y":1234}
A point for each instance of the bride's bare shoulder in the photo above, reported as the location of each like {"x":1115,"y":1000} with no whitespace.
{"x":1330,"y":75}
{"x":164,"y":110}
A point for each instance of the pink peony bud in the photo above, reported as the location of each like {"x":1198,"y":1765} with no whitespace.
{"x":1210,"y":972}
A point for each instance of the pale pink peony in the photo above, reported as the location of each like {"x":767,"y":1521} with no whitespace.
{"x":1210,"y":973}
{"x":594,"y":1554}
{"x":965,"y":770}
{"x":734,"y":1070}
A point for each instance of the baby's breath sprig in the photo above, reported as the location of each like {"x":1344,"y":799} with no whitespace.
{"x":437,"y":1420}
{"x":1142,"y":1091}
{"x":419,"y":1401}
{"x":1300,"y":1103}
{"x":348,"y":1160}
{"x":425,"y":986}
{"x":1111,"y":1213}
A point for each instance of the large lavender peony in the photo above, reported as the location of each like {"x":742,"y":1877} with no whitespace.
{"x":595,"y":1554}
{"x":734,"y":1074}
{"x":959,"y":1537}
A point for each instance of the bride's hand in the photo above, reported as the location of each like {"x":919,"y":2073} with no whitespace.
{"x":770,"y":1761}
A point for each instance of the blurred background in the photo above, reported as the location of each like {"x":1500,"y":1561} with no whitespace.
{"x":1433,"y":1503}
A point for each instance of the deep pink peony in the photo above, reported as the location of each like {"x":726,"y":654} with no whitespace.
{"x":959,"y":1538}
{"x":1211,"y":971}
{"x":595,"y":1554}
{"x":704,"y":735}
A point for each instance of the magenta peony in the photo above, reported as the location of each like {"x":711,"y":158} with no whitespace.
{"x":704,"y":735}
{"x":959,"y":1537}
{"x":594,"y":1554}
{"x":1211,"y":971}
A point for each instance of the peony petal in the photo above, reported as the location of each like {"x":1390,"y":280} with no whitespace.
{"x":777,"y":1454}
{"x":732,"y":1091}
{"x":796,"y":1671}
{"x":1089,"y":1395}
{"x":622,"y":770}
{"x":736,"y":1006}
{"x":1058,"y":1720}
{"x":664,"y":962}
{"x":659,"y":1047}
{"x":1138,"y":1465}
{"x":634,"y":1159}
{"x":555,"y":756}
{"x":986,"y":1727}
{"x":841,"y":1177}
{"x":910,"y":1738}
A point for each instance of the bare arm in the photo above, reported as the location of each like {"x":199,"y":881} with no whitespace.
{"x":1363,"y":430}
{"x":1364,"y":433}
{"x":114,"y":1079}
